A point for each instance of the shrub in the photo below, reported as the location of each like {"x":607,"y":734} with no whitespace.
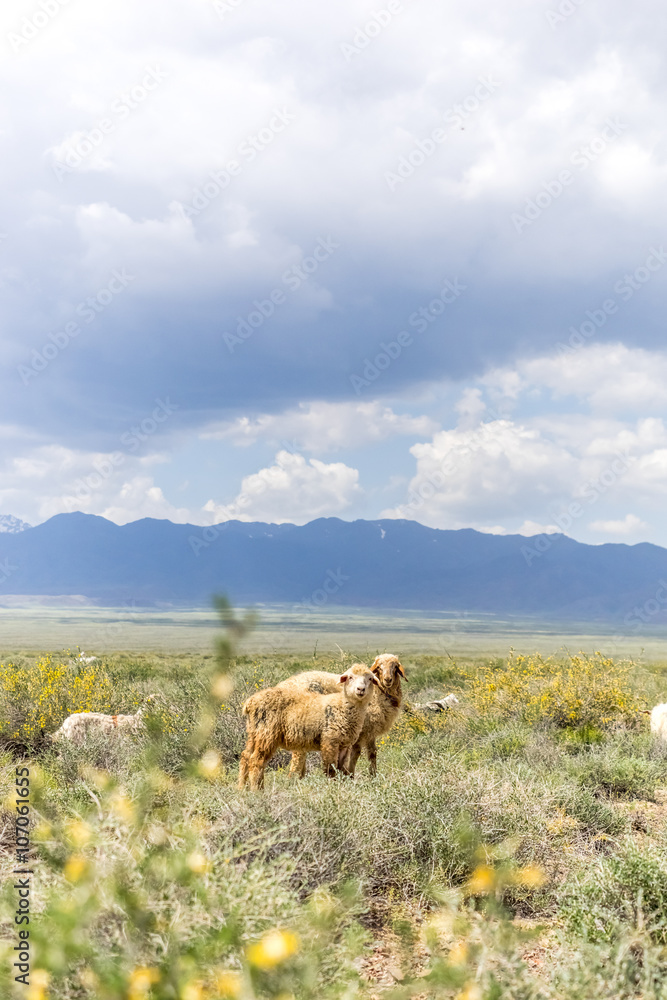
{"x":36,"y":697}
{"x":616,"y":774}
{"x":628,"y":887}
{"x":576,"y":692}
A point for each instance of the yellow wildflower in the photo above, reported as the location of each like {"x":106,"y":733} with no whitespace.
{"x":531,"y":877}
{"x":228,"y":985}
{"x":79,"y":833}
{"x":141,"y":981}
{"x":274,"y":948}
{"x":482,"y":880}
{"x":198,"y":863}
{"x":39,"y":985}
{"x":75,"y":867}
{"x":209,"y":765}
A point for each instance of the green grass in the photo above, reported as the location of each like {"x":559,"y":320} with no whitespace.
{"x":484,"y":840}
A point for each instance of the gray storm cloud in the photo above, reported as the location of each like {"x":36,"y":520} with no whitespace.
{"x":209,"y":153}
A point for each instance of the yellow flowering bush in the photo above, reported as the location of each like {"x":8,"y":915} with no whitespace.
{"x":38,"y":696}
{"x":578,"y":690}
{"x":404,"y":729}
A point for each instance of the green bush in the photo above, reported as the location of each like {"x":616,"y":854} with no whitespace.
{"x":627,"y":889}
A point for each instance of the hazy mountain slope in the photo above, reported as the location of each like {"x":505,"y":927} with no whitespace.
{"x":387,"y":563}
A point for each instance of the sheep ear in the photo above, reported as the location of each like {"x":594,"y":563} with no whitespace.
{"x":342,"y":678}
{"x":374,"y":679}
{"x":401,"y":671}
{"x":375,"y":665}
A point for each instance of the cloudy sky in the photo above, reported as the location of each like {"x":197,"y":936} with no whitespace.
{"x":283,"y":261}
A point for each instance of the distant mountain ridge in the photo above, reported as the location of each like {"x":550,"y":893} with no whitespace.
{"x":12,"y":525}
{"x":374,"y":564}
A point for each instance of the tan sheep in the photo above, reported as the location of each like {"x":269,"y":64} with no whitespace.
{"x":382,"y":712}
{"x":289,"y":718}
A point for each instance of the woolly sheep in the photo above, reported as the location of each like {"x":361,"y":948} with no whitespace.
{"x":382,"y":712}
{"x":438,"y":706}
{"x":81,"y":725}
{"x":659,"y":721}
{"x":286,"y":717}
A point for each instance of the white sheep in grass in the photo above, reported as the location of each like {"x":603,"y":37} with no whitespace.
{"x":438,"y":706}
{"x":82,"y":658}
{"x":659,"y":721}
{"x":78,"y":727}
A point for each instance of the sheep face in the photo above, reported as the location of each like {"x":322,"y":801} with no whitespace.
{"x":358,"y":685}
{"x":388,"y":668}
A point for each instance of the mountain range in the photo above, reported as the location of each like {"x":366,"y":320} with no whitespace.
{"x":12,"y":525}
{"x":330,"y":562}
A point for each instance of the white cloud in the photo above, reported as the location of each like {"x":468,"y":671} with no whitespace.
{"x":630,"y":525}
{"x":528,"y":528}
{"x":293,"y":490}
{"x":500,"y":469}
{"x":323,"y":427}
{"x":52,"y":479}
{"x":608,"y":378}
{"x":140,"y":497}
{"x":524,"y":475}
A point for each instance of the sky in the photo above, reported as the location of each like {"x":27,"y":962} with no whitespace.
{"x":277,"y":262}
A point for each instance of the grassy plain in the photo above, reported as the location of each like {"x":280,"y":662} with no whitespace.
{"x":514,"y":847}
{"x":35,"y":627}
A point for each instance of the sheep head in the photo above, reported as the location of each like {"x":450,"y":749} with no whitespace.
{"x":358,"y":682}
{"x":388,"y":668}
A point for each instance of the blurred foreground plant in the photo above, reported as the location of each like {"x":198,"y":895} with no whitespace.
{"x":134,"y":902}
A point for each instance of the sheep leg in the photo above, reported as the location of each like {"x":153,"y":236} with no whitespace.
{"x":244,"y":762}
{"x":351,"y":759}
{"x":260,"y":754}
{"x":330,"y":753}
{"x":243,"y":767}
{"x":371,"y":750}
{"x":256,"y":767}
{"x":298,"y":765}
